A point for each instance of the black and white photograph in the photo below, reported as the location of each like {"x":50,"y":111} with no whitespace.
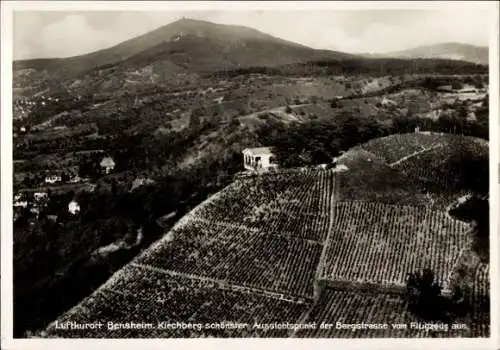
{"x":232,"y":171}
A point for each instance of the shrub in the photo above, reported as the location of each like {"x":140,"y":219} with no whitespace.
{"x":424,"y":295}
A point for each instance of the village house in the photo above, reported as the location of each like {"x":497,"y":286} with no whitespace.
{"x":219,"y":100}
{"x":52,"y":179}
{"x":40,"y":196}
{"x":21,"y":203}
{"x":258,"y":158}
{"x":73,"y":207}
{"x":107,"y":164}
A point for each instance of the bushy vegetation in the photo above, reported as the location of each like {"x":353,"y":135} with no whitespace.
{"x":425,"y":298}
{"x":318,"y":141}
{"x":64,"y":249}
{"x":363,"y":66}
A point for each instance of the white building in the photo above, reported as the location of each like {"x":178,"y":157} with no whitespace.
{"x":40,"y":196}
{"x":74,"y":207}
{"x":108,"y":164}
{"x":52,"y":179}
{"x":219,"y":100}
{"x":21,"y":203}
{"x":259,"y":158}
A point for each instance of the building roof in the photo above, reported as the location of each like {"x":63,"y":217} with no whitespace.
{"x":259,"y":151}
{"x":107,"y":161}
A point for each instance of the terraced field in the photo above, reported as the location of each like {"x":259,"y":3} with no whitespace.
{"x":391,"y":241}
{"x":150,"y":297}
{"x":379,"y":315}
{"x":369,"y":178}
{"x":240,"y":256}
{"x":440,"y":168}
{"x":395,"y":147}
{"x":294,"y":203}
{"x":480,"y":299}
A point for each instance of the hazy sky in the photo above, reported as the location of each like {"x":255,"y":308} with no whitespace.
{"x":40,"y":34}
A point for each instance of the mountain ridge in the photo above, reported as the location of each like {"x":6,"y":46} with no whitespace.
{"x":449,"y":50}
{"x":221,"y":33}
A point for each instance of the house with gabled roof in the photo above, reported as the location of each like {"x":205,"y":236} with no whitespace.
{"x":107,"y":164}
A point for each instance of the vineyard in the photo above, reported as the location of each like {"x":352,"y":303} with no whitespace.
{"x":376,"y":309}
{"x":240,"y":256}
{"x":395,"y":147}
{"x":441,"y":169}
{"x":369,"y":178}
{"x":294,"y":203}
{"x":480,"y":300}
{"x":255,"y":251}
{"x":351,"y":308}
{"x":380,"y":243}
{"x":146,"y":296}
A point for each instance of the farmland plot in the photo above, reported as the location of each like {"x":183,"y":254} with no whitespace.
{"x":384,"y":310}
{"x":442,"y":168}
{"x":380,"y":243}
{"x":240,"y":256}
{"x":480,"y":301}
{"x":293,"y":203}
{"x":398,"y":146}
{"x":147,"y":296}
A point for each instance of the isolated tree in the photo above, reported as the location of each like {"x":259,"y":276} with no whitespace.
{"x":424,"y":295}
{"x":288,"y":109}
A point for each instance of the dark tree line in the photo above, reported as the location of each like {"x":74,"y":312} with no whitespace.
{"x":384,"y":66}
{"x":318,"y":141}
